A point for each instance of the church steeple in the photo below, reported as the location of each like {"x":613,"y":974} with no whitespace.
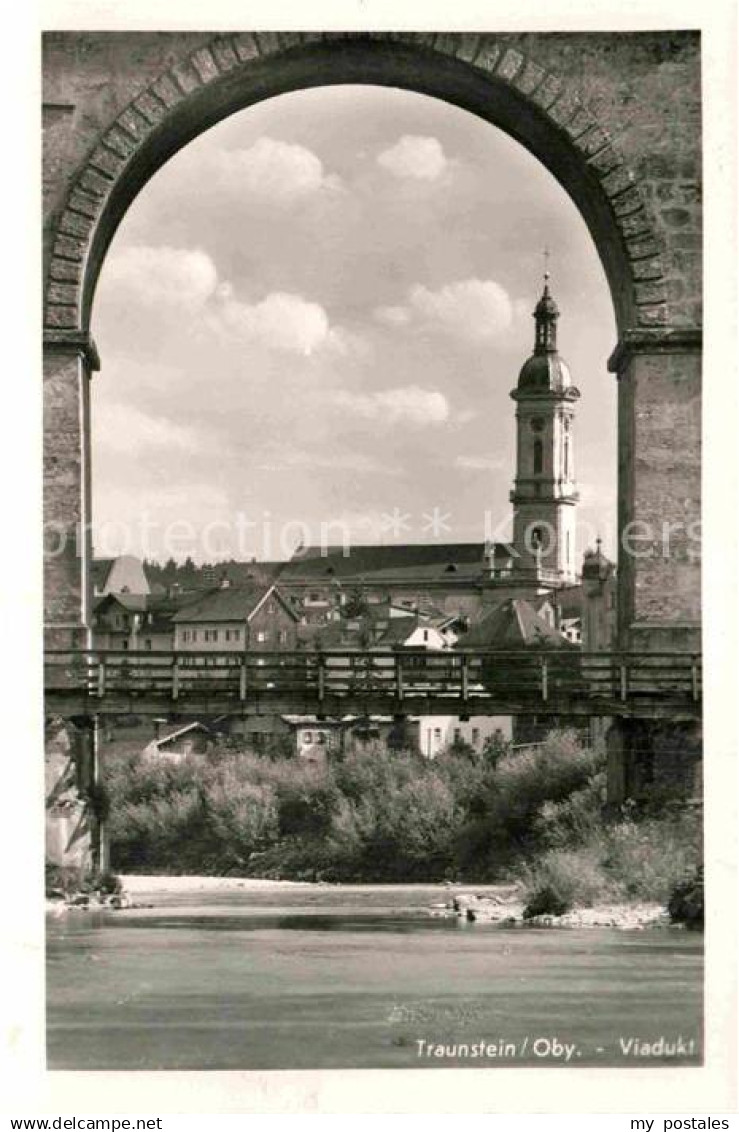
{"x":545,"y":495}
{"x":546,"y":314}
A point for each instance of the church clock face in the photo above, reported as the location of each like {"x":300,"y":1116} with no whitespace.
{"x":537,"y":424}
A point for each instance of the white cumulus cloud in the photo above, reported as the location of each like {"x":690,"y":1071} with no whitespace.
{"x":280,"y":321}
{"x":281,"y":172}
{"x":473,"y":309}
{"x":409,"y":404}
{"x":161,"y":276}
{"x":421,"y":158}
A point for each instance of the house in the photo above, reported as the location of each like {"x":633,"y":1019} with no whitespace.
{"x":136,"y":622}
{"x":438,"y":732}
{"x":192,"y":739}
{"x":515,"y":625}
{"x":122,"y":575}
{"x":246,"y":618}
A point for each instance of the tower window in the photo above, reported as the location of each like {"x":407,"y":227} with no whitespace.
{"x":538,"y":457}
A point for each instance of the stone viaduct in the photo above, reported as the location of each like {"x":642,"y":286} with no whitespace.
{"x":615,"y":117}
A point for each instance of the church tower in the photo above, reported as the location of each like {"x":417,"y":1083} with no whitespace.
{"x":544,"y":496}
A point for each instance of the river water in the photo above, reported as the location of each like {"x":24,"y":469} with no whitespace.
{"x":344,"y":977}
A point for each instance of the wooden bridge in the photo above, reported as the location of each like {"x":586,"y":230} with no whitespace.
{"x":404,"y":682}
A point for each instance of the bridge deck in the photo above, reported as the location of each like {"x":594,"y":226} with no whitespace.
{"x":407,"y":682}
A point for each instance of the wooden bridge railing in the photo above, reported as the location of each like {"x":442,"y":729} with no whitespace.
{"x":488,"y":682}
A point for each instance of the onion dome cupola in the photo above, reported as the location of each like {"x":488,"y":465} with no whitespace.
{"x":545,"y":371}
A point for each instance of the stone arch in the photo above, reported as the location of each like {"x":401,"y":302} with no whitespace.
{"x":494,"y":76}
{"x":614,"y":117}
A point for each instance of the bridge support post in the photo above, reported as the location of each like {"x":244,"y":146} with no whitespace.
{"x":654,"y":756}
{"x":659,"y":488}
{"x":71,"y":841}
{"x":69,"y":361}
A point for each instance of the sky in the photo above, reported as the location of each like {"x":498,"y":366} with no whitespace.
{"x":310,"y":321}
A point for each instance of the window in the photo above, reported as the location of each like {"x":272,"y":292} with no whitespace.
{"x":457,"y":734}
{"x":282,"y":636}
{"x":261,"y":636}
{"x":437,"y":734}
{"x":307,"y":737}
{"x":538,"y":457}
{"x":425,"y":636}
{"x":321,"y":738}
{"x":125,"y":644}
{"x":147,"y":645}
{"x":475,"y":736}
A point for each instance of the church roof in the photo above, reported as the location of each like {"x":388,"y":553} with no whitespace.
{"x":379,"y":563}
{"x":545,"y":371}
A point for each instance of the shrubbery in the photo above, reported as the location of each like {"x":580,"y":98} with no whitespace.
{"x":535,"y":815}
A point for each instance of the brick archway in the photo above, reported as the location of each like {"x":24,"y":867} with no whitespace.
{"x":614,"y":117}
{"x":543,"y":109}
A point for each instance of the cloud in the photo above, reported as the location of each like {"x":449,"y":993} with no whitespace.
{"x":479,"y":463}
{"x":159,"y":521}
{"x":162,"y":277}
{"x":280,"y":172}
{"x":421,"y":158}
{"x":410,"y":404}
{"x":393,"y":316}
{"x":126,"y":429}
{"x":284,"y":459}
{"x":475,"y":310}
{"x":280,"y":321}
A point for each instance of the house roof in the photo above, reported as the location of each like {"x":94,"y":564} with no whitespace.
{"x":514,"y":624}
{"x":132,"y":603}
{"x":100,"y":570}
{"x":233,"y":603}
{"x":180,"y":732}
{"x":569,"y":600}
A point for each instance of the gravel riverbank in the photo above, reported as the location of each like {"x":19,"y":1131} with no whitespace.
{"x":485,"y":903}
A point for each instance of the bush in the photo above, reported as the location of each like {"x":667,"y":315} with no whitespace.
{"x":560,"y":879}
{"x":391,"y":815}
{"x":504,"y":822}
{"x":649,"y":857}
{"x":686,"y":903}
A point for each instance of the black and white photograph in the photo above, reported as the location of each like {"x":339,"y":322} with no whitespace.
{"x":373,"y":658}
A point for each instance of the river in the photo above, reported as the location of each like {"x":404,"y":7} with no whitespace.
{"x":349,"y":977}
